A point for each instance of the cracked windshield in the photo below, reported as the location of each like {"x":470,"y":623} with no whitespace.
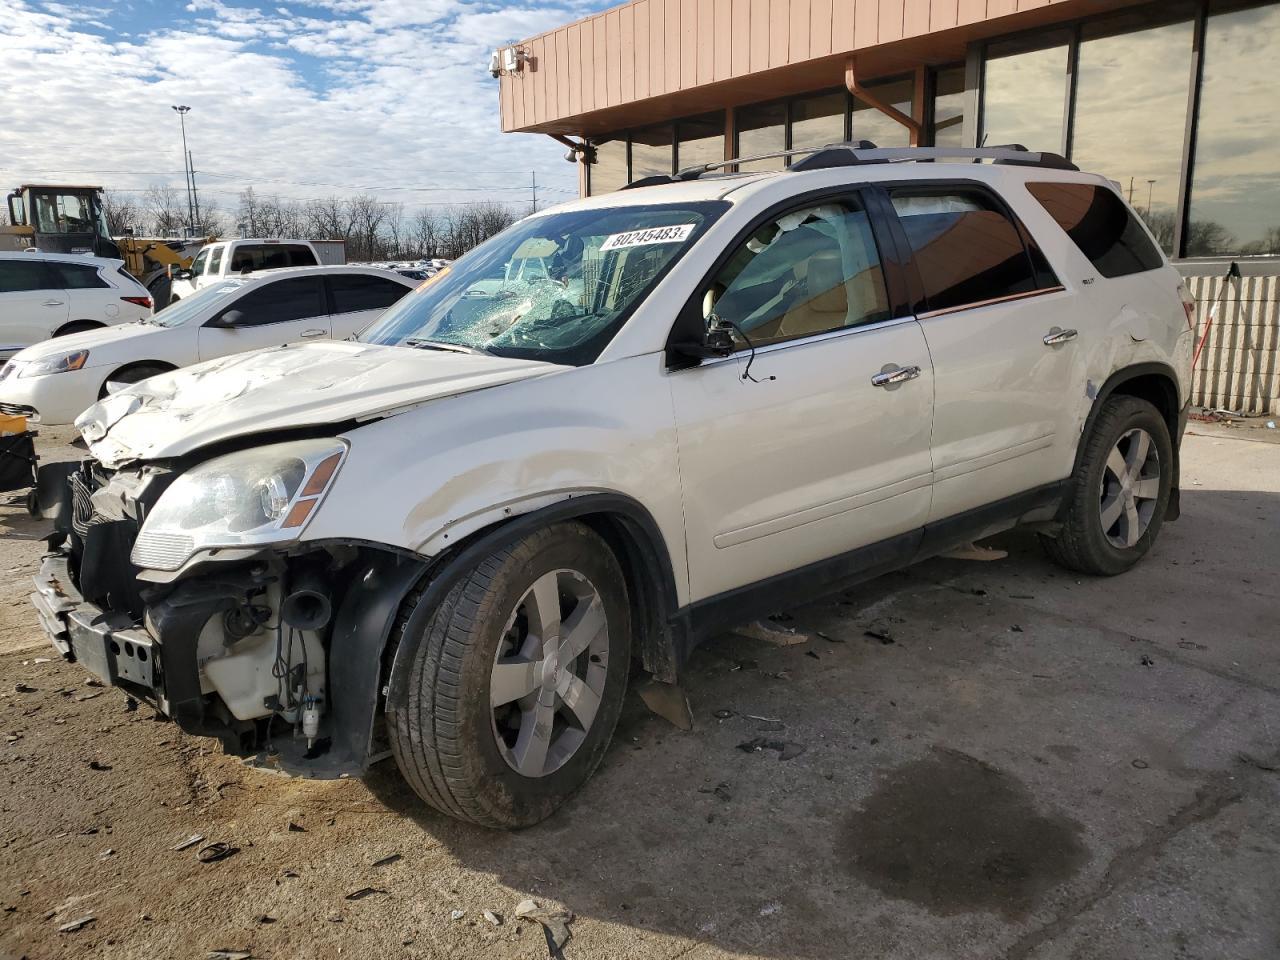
{"x":555,"y":288}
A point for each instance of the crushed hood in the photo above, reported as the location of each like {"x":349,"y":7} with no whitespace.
{"x":292,"y":386}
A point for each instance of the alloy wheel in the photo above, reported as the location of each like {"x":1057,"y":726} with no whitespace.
{"x":549,"y":673}
{"x":1130,"y":488}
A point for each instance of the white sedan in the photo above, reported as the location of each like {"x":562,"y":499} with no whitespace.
{"x":54,"y":382}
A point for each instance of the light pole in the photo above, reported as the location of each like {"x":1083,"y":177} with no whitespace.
{"x":186,"y":167}
{"x":1151,"y":186}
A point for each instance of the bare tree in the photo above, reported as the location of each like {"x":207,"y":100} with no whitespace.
{"x":122,"y":213}
{"x":368,"y":215}
{"x":424,"y":233}
{"x":163,"y":205}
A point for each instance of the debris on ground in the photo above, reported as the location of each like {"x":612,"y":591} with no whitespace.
{"x":191,"y":841}
{"x":1016,"y":628}
{"x":264,"y":918}
{"x":879,"y":633}
{"x":213,"y":852}
{"x":1252,"y":761}
{"x":1146,"y":661}
{"x":493,"y":918}
{"x":971,"y":551}
{"x":106,"y":854}
{"x":770,"y":632}
{"x":786,"y":749}
{"x":668,"y":701}
{"x":388,"y":859}
{"x":457,"y":914}
{"x":827,"y":637}
{"x":296,"y":827}
{"x":363,"y":892}
{"x":723,"y":714}
{"x":554,"y":923}
{"x":100,"y":767}
{"x":1140,"y":765}
{"x":88,"y":696}
{"x":21,"y":687}
{"x":75,"y":925}
{"x":720,"y":790}
{"x":230,"y":955}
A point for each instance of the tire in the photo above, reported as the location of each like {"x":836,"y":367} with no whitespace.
{"x":130,"y":375}
{"x":78,"y":326}
{"x":1113,"y":521}
{"x":160,"y":293}
{"x":481,"y":762}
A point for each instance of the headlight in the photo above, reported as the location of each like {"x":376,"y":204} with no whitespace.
{"x":63,"y":363}
{"x":242,"y":499}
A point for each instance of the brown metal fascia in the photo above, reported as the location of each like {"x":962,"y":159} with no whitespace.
{"x":871,"y":100}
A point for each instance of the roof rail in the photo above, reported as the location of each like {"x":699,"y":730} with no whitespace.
{"x":862,"y":152}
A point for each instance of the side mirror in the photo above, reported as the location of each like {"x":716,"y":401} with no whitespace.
{"x":716,"y":336}
{"x":182,"y":274}
{"x":226,"y":321}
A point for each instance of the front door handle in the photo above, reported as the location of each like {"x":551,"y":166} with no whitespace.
{"x":1057,"y":336}
{"x":315,"y":333}
{"x":53,"y":303}
{"x":889,"y":378}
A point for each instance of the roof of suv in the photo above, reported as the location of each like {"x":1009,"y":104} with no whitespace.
{"x":942,"y":164}
{"x":276,"y":273}
{"x":109,"y":262}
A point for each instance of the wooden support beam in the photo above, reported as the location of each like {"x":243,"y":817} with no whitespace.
{"x":871,"y":100}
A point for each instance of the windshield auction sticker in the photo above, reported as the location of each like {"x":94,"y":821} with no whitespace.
{"x":641,"y":238}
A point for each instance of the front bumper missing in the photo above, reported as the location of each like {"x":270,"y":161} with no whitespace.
{"x":111,"y":646}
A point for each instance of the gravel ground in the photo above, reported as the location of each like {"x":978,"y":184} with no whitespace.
{"x":1020,"y":764}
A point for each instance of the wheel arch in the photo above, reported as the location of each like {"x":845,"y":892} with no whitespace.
{"x":162,"y":365}
{"x":1156,"y":383}
{"x":78,"y":326}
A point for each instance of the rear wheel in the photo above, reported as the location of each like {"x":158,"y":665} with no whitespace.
{"x":78,"y":326}
{"x":130,"y":375}
{"x":516,"y":679}
{"x":1120,"y":491}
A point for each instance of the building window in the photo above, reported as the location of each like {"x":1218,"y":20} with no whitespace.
{"x":1235,"y":187}
{"x":1024,"y":95}
{"x":817,"y":121}
{"x":652,"y":152}
{"x":700,"y":140}
{"x":609,"y":172}
{"x":1131,"y":113}
{"x":761,"y":129}
{"x":882,"y":130}
{"x":948,"y":108}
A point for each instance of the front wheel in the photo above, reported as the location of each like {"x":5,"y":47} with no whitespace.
{"x":1119,"y":493}
{"x":516,"y":679}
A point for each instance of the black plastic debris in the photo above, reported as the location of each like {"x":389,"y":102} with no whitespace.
{"x":296,"y":827}
{"x":785,"y":748}
{"x":218,"y":850}
{"x":884,"y":636}
{"x":101,"y":767}
{"x":1015,"y":629}
{"x":720,"y":790}
{"x":1147,"y":661}
{"x":363,"y":892}
{"x":23,"y":688}
{"x":387,"y":860}
{"x":723,"y":714}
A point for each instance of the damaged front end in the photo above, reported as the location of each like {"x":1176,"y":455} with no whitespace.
{"x":186,"y":586}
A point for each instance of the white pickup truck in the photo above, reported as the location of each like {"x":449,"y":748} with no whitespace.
{"x":229,"y":258}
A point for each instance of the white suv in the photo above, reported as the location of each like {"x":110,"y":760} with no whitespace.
{"x":233,"y":258}
{"x":729,"y":394}
{"x":45,"y":295}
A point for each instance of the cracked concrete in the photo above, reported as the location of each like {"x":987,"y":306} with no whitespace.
{"x":1134,"y":717}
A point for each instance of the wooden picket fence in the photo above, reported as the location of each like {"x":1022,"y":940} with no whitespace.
{"x":1239,"y":368}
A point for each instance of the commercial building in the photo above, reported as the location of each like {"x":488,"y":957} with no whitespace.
{"x":1174,"y":100}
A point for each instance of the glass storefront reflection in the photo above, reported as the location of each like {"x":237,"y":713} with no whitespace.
{"x":1235,"y":186}
{"x":1024,"y":96}
{"x":1130,"y":115}
{"x":816,"y":121}
{"x":762,"y":129}
{"x":948,"y":108}
{"x":871,"y":124}
{"x":701,"y":140}
{"x":609,"y":172}
{"x":651,"y":151}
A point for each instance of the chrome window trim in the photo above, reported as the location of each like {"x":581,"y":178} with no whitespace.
{"x":978,"y":305}
{"x":837,"y":333}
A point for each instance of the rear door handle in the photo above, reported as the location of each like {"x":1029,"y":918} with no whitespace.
{"x":1057,"y":336}
{"x":315,"y":333}
{"x":888,"y":378}
{"x":54,"y":303}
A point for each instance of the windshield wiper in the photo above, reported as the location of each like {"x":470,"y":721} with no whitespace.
{"x":420,"y":344}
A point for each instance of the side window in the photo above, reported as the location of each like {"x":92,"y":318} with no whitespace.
{"x":73,"y":276}
{"x":200,"y":262}
{"x":807,"y":272}
{"x":353,"y":291}
{"x":967,"y":250}
{"x":215,"y":262}
{"x":1102,"y":227}
{"x":279,"y":302}
{"x":18,"y":276}
{"x":300,"y":256}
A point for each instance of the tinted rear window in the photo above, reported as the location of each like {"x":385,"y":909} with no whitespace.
{"x":271,"y":256}
{"x":19,"y":275}
{"x":1100,"y":225}
{"x":967,"y":250}
{"x":354,"y":291}
{"x":281,"y":301}
{"x":74,"y":276}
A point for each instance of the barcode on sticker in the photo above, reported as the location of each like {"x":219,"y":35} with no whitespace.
{"x":640,"y":238}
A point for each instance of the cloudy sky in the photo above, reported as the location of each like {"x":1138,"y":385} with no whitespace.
{"x":302,"y":99}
